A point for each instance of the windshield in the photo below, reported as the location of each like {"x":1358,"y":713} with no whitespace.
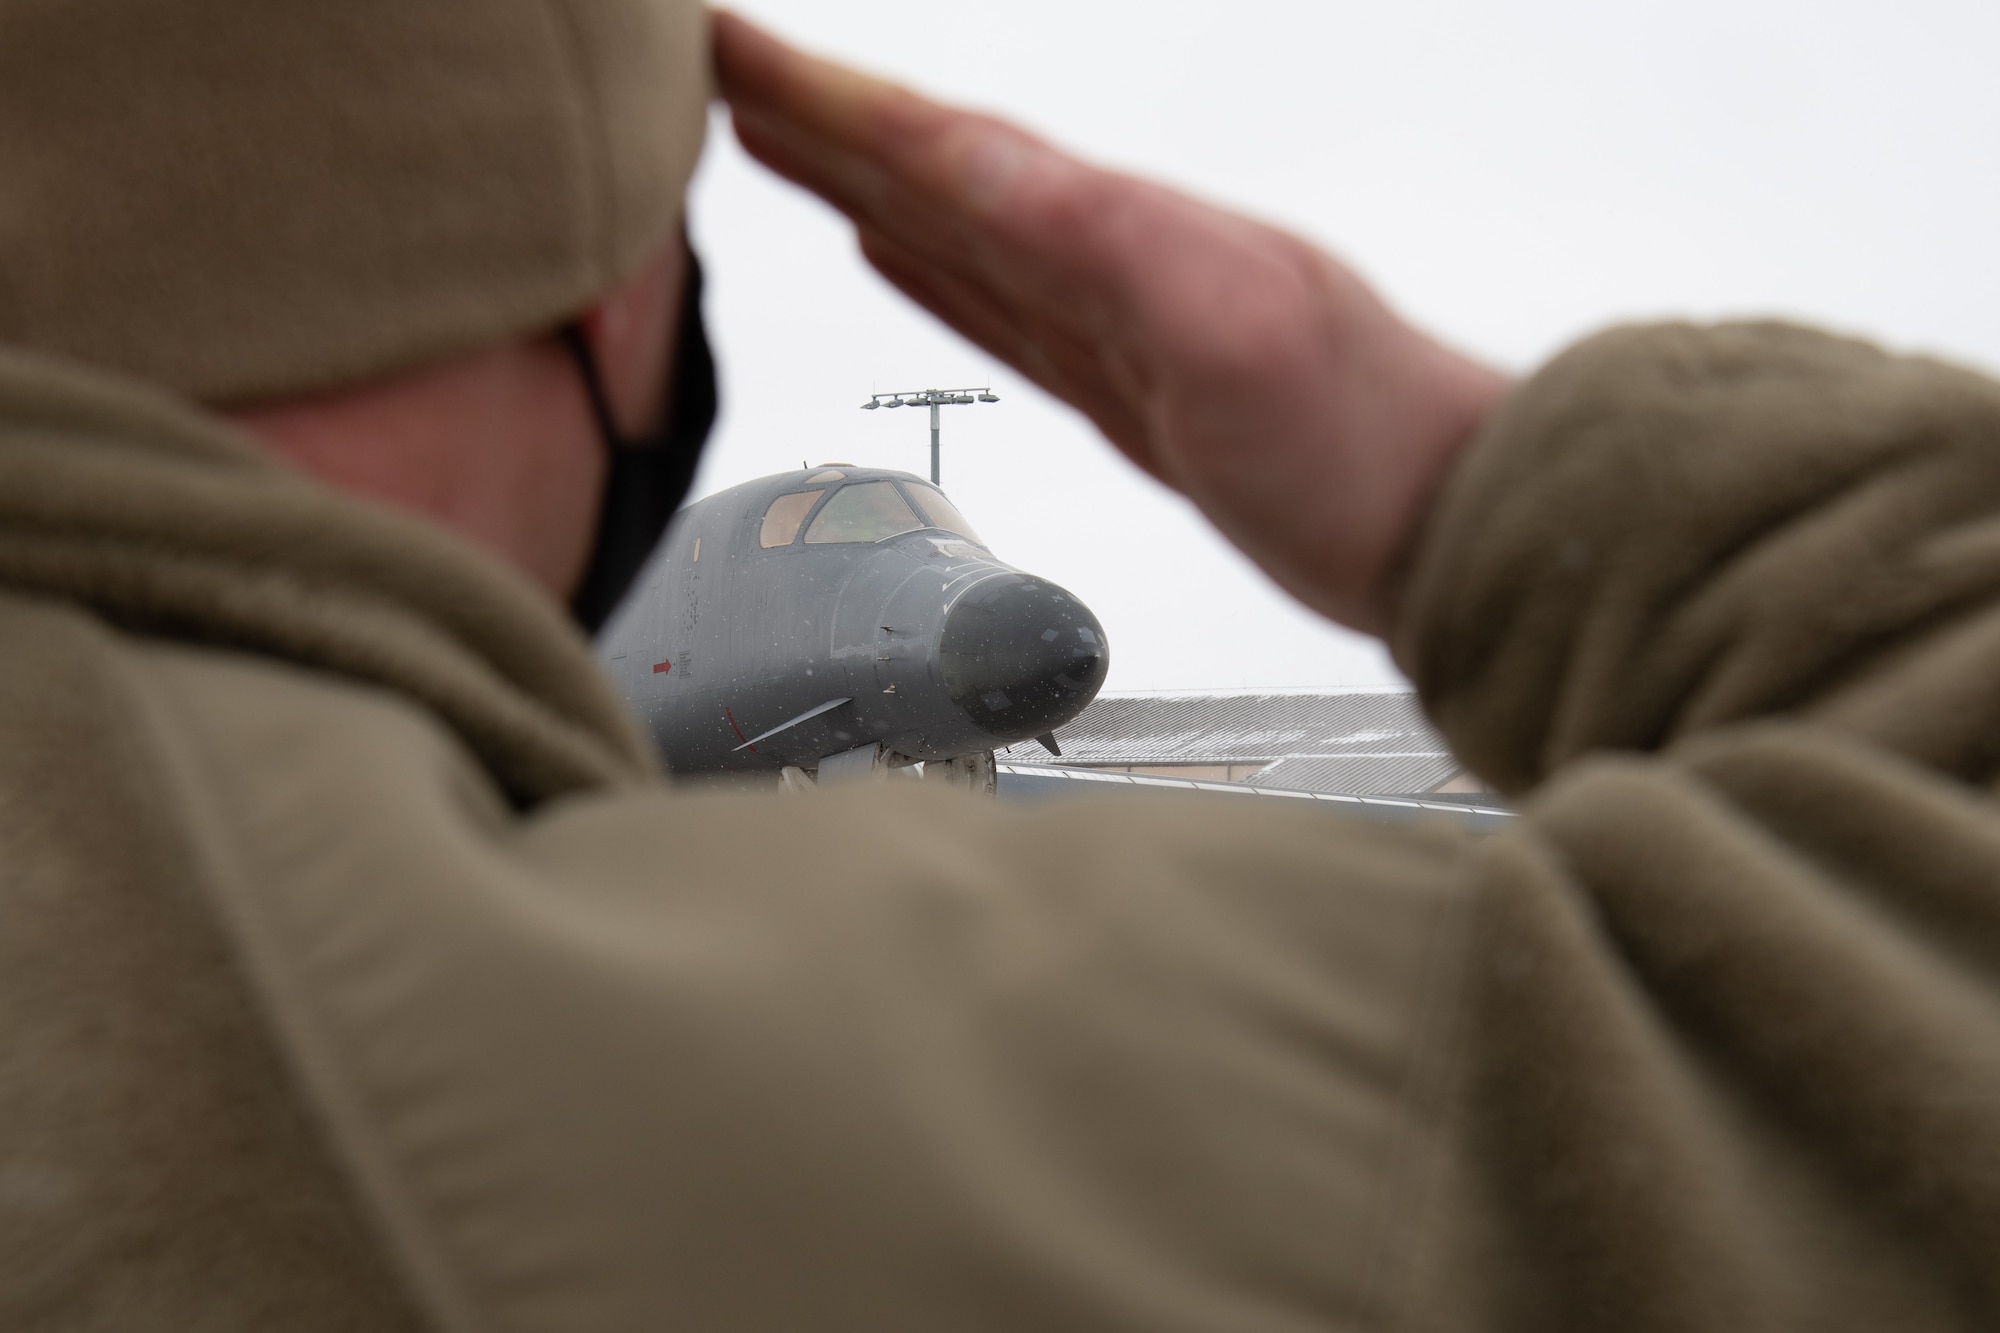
{"x":943,"y":513}
{"x":865,"y":512}
{"x":782,"y":519}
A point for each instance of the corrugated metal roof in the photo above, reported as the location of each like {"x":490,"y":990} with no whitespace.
{"x":1359,"y":774}
{"x":1363,"y":743}
{"x":1243,"y":728}
{"x":1033,"y":780}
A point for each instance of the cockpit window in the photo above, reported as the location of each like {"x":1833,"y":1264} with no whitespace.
{"x":782,"y":519}
{"x":865,"y":512}
{"x":943,"y":513}
{"x":827,"y":474}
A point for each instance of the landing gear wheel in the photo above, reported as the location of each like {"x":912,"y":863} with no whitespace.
{"x":968,"y":772}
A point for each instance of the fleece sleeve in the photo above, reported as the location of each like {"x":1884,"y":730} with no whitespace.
{"x":1672,"y":529}
{"x":1708,"y":1039}
{"x":1722,"y":606}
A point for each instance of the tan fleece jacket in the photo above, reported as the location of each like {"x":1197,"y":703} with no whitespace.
{"x":354,"y":973}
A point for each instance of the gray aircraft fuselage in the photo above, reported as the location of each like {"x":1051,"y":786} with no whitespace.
{"x":816,"y":612}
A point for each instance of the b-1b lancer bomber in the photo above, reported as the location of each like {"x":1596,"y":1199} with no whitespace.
{"x":843,"y":622}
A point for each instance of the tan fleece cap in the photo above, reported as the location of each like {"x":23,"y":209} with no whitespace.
{"x":240,"y":198}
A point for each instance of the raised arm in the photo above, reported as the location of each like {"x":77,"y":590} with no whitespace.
{"x":1240,"y":365}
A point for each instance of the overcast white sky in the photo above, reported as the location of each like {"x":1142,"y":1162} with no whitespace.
{"x":1512,"y":173}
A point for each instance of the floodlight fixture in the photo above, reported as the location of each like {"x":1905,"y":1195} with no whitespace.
{"x":933,"y":399}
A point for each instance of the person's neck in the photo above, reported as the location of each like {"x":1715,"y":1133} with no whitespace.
{"x":499,"y":446}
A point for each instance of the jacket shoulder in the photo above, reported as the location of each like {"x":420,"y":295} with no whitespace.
{"x":163,"y":1170}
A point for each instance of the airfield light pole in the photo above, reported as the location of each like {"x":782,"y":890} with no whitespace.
{"x":933,"y":399}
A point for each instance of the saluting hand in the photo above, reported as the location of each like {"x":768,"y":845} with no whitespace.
{"x":1240,"y":365}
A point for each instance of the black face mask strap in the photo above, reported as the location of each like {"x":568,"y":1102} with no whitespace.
{"x":646,"y":478}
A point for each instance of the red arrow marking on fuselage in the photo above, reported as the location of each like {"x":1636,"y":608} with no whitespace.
{"x":739,"y":731}
{"x":661,"y":668}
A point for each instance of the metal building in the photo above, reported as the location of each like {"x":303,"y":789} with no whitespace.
{"x":1348,"y":742}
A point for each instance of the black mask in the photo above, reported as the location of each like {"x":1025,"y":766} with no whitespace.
{"x":647,"y":478}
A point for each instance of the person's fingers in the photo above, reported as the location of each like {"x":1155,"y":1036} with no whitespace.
{"x":1236,"y":362}
{"x":871,"y":196}
{"x":757,"y":70}
{"x":850,"y":116}
{"x":872,"y":191}
{"x":967,"y":270}
{"x":853,"y":185}
{"x":1041,"y":285}
{"x":1098,"y":259}
{"x":972,"y":308}
{"x":986,"y":295}
{"x":899,"y":162}
{"x":1055,"y":354}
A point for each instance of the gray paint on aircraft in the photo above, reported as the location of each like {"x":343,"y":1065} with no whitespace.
{"x":938,"y":648}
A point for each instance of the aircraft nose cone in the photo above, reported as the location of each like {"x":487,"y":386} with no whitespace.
{"x":1021,"y":656}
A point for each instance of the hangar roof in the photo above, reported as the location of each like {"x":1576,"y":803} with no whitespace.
{"x":1360,"y":742}
{"x":1033,"y":781}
